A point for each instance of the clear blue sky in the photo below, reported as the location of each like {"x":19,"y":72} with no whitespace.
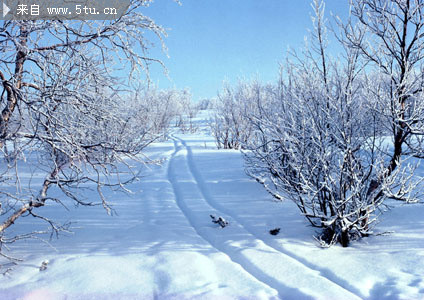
{"x":215,"y":40}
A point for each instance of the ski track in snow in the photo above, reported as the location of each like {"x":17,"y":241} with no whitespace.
{"x":291,"y":256}
{"x":316,"y":283}
{"x":186,"y":211}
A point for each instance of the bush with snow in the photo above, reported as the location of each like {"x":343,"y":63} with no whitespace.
{"x":338,"y":135}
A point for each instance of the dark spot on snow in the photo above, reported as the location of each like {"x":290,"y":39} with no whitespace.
{"x":275,"y":231}
{"x":219,"y":220}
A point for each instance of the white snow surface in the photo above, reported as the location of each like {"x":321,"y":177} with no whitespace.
{"x":161,"y":243}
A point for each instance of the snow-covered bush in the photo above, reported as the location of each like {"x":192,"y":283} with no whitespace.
{"x":186,"y":112}
{"x":159,"y":108}
{"x":323,"y":142}
{"x":231,"y":125}
{"x":204,"y":104}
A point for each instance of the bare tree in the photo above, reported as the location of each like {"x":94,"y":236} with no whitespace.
{"x":63,"y":108}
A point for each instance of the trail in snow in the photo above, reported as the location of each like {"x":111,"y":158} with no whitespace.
{"x":229,"y":213}
{"x":179,"y":198}
{"x":277,"y":269}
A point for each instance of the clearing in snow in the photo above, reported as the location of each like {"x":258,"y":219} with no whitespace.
{"x":162,"y":244}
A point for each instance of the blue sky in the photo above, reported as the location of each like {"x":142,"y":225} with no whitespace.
{"x":212,"y":41}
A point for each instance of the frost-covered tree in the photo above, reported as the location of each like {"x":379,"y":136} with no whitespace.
{"x":186,"y":112}
{"x":230,"y":125}
{"x":323,"y":140}
{"x":160,"y":108}
{"x":204,"y":104}
{"x":63,"y":113}
{"x":390,"y":36}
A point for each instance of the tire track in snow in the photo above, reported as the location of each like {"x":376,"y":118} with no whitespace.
{"x":245,"y":264}
{"x":330,"y":277}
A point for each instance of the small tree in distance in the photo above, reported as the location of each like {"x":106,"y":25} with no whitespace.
{"x":230,"y":125}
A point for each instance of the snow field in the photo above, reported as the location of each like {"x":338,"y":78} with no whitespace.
{"x":161,"y":243}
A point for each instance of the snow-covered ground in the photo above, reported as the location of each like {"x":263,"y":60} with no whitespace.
{"x":161,"y":244}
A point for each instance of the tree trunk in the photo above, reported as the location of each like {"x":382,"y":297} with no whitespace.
{"x":344,"y":238}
